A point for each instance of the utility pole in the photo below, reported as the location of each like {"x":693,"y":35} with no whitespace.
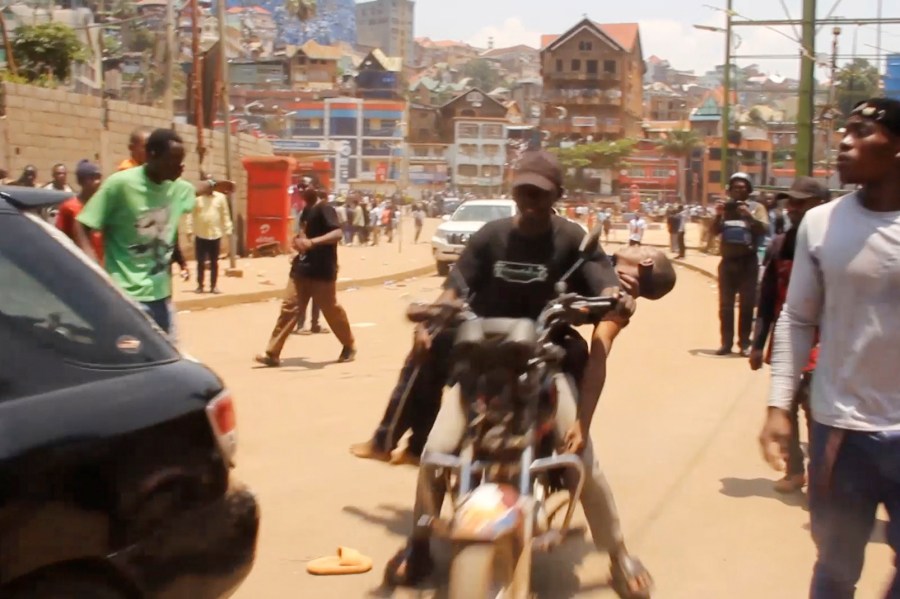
{"x":726,"y":97}
{"x":803,"y":164}
{"x":7,"y":46}
{"x":225,"y":101}
{"x":828,"y":119}
{"x":197,"y":80}
{"x":171,"y":51}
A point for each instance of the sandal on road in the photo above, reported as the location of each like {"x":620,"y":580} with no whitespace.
{"x":347,"y":561}
{"x":630,"y":579}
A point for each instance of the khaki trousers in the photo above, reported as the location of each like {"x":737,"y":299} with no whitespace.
{"x":297,"y":296}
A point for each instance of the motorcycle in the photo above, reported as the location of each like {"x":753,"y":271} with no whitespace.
{"x":508,"y":476}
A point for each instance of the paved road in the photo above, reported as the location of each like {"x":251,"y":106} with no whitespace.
{"x":676,"y":433}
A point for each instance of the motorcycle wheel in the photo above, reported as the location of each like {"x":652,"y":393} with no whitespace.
{"x":481,"y":570}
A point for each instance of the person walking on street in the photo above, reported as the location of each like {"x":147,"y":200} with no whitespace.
{"x":88,"y":177}
{"x":313,"y":276}
{"x":739,"y":226}
{"x":636,"y":227}
{"x":59,"y":182}
{"x":805,"y":194}
{"x":418,"y":221}
{"x":683,"y":216}
{"x":207,"y":223}
{"x":845,"y":282}
{"x":137,"y":210}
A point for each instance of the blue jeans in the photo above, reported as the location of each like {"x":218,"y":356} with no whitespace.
{"x":162,"y":314}
{"x":842,"y":505}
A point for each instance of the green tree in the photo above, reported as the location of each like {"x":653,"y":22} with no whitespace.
{"x":598,"y":155}
{"x":304,"y":10}
{"x":483,"y":74}
{"x":680,"y":145}
{"x":855,"y":82}
{"x":46,"y":49}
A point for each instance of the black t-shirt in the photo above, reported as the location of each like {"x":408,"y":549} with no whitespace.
{"x":513,"y":276}
{"x":321,"y":261}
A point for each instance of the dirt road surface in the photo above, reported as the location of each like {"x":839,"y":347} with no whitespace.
{"x":676,"y":432}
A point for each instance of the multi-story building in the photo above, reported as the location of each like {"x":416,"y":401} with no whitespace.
{"x":380,"y":76}
{"x":315,"y":66}
{"x":362,"y":138}
{"x":662,"y":103}
{"x":430,"y":52}
{"x":426,"y":151}
{"x":517,"y":62}
{"x":388,"y":25}
{"x":593,"y":82}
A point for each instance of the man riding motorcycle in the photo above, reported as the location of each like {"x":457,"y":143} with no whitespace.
{"x":509,"y":269}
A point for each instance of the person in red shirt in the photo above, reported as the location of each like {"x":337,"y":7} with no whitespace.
{"x":88,"y":176}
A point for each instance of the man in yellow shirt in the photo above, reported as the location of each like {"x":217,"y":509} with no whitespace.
{"x":207,"y":223}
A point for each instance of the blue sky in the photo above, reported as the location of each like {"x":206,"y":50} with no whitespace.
{"x":666,"y":26}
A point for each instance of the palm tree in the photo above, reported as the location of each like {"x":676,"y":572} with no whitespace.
{"x":304,"y":10}
{"x":681,"y":144}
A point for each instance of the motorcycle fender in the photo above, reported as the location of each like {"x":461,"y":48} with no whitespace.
{"x":487,"y":514}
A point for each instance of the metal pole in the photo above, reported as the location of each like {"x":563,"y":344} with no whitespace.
{"x":225,"y":101}
{"x":878,"y":39}
{"x":829,"y":122}
{"x":168,"y":99}
{"x":726,"y":99}
{"x":198,"y":80}
{"x":804,"y":158}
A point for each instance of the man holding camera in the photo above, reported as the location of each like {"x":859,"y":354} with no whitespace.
{"x":739,"y":223}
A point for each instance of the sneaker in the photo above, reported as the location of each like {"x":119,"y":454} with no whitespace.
{"x":723,"y":351}
{"x":745,"y":351}
{"x":348,"y":354}
{"x":267,"y":360}
{"x":199,"y":289}
{"x":215,"y":290}
{"x":790,"y":483}
{"x":304,"y":331}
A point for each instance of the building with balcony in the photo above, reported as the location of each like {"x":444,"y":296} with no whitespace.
{"x":593,"y":82}
{"x":314,"y":66}
{"x":479,"y":155}
{"x":369,"y":133}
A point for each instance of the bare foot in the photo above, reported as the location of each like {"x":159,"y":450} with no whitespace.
{"x":370,"y":451}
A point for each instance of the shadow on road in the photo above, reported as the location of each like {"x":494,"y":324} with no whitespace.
{"x":303,"y":363}
{"x":741,"y":488}
{"x":711,"y":353}
{"x":553,"y":574}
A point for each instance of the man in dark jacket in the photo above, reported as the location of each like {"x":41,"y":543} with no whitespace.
{"x":739,"y":223}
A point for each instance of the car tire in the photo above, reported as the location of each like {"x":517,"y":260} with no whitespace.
{"x":443,"y":269}
{"x":67,"y":587}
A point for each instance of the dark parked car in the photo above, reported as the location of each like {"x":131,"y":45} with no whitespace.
{"x":115,"y":449}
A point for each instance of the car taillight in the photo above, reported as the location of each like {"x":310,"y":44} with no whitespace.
{"x":223,"y":422}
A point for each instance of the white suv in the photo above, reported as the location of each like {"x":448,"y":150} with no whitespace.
{"x":451,"y":236}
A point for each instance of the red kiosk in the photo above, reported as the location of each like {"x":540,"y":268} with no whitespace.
{"x":269,"y":220}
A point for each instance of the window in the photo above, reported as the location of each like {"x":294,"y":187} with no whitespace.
{"x":492,"y":131}
{"x":609,"y":66}
{"x":467,"y":131}
{"x":559,"y":65}
{"x":592,"y":67}
{"x":491,"y":150}
{"x":715,"y":154}
{"x":481,"y":213}
{"x":585,"y":46}
{"x":576,"y":64}
{"x":53,"y":306}
{"x":467,"y":170}
{"x":715,"y":176}
{"x":661,"y":173}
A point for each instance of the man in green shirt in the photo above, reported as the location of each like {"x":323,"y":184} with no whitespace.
{"x":138,"y":211}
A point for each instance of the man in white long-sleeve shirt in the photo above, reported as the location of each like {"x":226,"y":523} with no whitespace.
{"x":846,"y":282}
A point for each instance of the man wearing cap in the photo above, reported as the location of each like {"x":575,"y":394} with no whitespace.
{"x":739,"y":224}
{"x":845,"y":283}
{"x":509,"y":269}
{"x":805,"y":194}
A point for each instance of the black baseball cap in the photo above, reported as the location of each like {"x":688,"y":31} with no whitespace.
{"x":540,"y":169}
{"x":885,"y":111}
{"x":805,"y":188}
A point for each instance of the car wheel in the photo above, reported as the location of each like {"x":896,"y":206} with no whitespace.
{"x":67,"y":587}
{"x":443,"y":269}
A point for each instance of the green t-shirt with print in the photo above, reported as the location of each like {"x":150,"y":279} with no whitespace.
{"x":139,"y":221}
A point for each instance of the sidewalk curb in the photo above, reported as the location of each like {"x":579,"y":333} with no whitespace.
{"x":224,"y":301}
{"x":698,"y":269}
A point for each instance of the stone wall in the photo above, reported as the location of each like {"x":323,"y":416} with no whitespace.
{"x":43,"y":126}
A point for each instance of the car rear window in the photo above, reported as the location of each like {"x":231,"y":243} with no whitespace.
{"x":51,"y":297}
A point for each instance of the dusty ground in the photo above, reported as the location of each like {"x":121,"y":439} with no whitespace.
{"x":676,"y":432}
